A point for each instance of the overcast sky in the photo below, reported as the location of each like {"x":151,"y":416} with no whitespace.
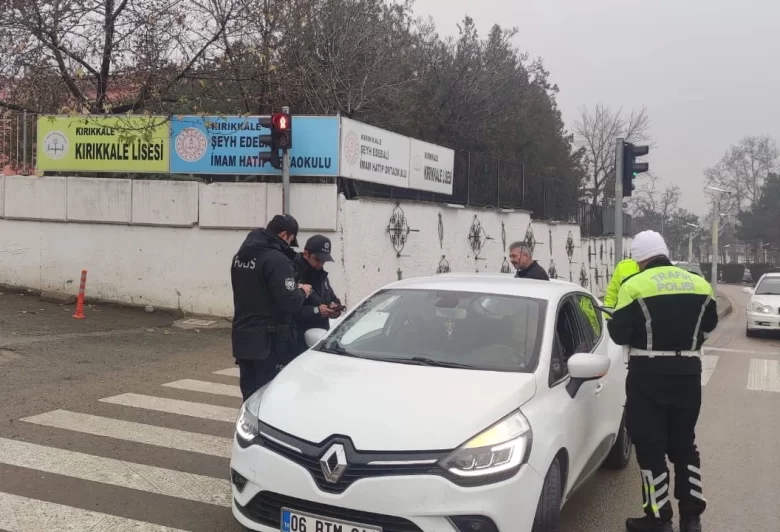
{"x":707,"y":70}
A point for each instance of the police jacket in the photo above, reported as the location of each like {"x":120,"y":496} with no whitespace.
{"x":623,"y":270}
{"x":534,"y":271}
{"x":308,"y":316}
{"x":664,"y":308}
{"x":265,"y":297}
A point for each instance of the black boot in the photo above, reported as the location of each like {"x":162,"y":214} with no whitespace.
{"x":647,"y":524}
{"x":690,"y":524}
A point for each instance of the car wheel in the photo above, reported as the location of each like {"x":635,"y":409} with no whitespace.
{"x":548,"y":512}
{"x":751,"y":333}
{"x":620,"y":455}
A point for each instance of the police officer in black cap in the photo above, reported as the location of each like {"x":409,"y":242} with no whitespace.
{"x":266,"y":297}
{"x":322,"y":304}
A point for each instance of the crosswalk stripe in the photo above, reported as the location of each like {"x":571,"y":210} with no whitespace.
{"x":205,"y":387}
{"x":21,"y":514}
{"x":151,"y":479}
{"x":175,"y":406}
{"x":764,"y":375}
{"x":708,"y":364}
{"x":134,"y":432}
{"x":229,"y":372}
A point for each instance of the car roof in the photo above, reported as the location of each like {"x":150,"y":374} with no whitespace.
{"x":772,"y":274}
{"x":491,"y":283}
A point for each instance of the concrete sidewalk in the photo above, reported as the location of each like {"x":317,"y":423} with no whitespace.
{"x":724,"y":306}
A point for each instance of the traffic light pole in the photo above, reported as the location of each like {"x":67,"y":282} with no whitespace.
{"x":618,"y":200}
{"x":285,"y":175}
{"x":286,"y":182}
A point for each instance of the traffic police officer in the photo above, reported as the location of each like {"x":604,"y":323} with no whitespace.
{"x":322,"y":305}
{"x":662,"y":314}
{"x":265,"y":298}
{"x":624,"y":269}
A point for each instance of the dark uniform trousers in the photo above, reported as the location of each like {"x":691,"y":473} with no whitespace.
{"x":256,"y":373}
{"x":661,"y":415}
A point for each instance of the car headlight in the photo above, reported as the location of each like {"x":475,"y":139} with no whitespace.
{"x":498,"y":451}
{"x":755,"y":306}
{"x":247,"y":424}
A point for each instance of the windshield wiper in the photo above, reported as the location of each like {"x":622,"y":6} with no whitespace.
{"x":336,"y":348}
{"x":423,"y":361}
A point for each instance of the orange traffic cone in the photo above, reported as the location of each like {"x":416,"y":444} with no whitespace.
{"x":79,"y":315}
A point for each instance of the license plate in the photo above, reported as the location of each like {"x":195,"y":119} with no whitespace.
{"x":294,"y":521}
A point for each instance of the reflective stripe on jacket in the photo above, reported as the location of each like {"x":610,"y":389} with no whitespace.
{"x":664,"y":308}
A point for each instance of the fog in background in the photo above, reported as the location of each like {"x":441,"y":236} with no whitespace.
{"x":708,"y":71}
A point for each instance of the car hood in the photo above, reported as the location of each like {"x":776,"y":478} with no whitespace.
{"x":384,"y":406}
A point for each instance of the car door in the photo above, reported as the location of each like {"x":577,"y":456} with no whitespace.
{"x":576,"y":413}
{"x":608,"y":391}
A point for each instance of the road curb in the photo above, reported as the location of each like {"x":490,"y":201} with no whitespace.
{"x":722,"y":313}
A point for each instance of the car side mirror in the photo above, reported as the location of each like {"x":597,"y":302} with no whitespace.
{"x":312,"y":336}
{"x":584,"y":367}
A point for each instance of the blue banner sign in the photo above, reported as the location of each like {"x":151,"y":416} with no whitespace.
{"x":231,"y":145}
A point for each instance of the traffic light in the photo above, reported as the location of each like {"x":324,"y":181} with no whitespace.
{"x":280,"y":137}
{"x":281,"y":131}
{"x":630,"y":167}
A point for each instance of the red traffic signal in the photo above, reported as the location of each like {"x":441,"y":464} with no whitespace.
{"x":281,"y":131}
{"x":281,"y":121}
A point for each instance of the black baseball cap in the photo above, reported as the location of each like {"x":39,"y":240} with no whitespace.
{"x":285,"y":222}
{"x":320,"y":246}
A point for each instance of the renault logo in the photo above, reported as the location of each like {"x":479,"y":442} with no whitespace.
{"x":334,"y":463}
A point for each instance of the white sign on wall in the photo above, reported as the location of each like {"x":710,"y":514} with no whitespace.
{"x":431,"y":167}
{"x":372,"y":154}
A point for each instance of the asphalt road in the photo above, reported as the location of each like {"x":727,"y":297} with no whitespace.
{"x":98,"y":431}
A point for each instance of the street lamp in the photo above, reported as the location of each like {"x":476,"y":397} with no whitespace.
{"x":715,"y":228}
{"x":690,"y":241}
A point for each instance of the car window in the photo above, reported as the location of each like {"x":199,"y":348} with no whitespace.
{"x":490,"y":332}
{"x":768,"y":286}
{"x":570,"y":338}
{"x":590,"y":319}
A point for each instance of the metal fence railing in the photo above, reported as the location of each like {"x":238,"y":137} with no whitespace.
{"x":17,"y":142}
{"x":479,"y":181}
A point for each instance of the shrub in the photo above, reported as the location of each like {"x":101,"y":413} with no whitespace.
{"x":758,"y":269}
{"x":733,"y":272}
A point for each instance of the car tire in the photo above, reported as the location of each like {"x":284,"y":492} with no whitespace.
{"x":620,"y":455}
{"x":751,"y":333}
{"x":548,"y":511}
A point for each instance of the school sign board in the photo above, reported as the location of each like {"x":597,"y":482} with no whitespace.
{"x":322,"y":146}
{"x":379,"y":156}
{"x":231,"y":145}
{"x":136,"y":144}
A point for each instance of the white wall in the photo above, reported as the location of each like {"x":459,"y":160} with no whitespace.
{"x":169,"y":243}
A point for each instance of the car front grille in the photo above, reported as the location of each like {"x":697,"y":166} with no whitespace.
{"x":354,"y":471}
{"x":266,"y":508}
{"x":359,"y":464}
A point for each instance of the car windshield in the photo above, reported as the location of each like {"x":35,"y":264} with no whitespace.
{"x":769,"y":286}
{"x":443,"y":328}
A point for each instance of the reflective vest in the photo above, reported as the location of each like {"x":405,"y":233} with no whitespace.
{"x":664,"y":308}
{"x":625,"y":268}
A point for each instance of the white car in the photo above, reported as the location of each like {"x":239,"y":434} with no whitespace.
{"x":763,"y":308}
{"x":452,"y":403}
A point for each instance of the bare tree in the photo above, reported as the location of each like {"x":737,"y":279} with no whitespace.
{"x":656,"y":206}
{"x":108,"y":56}
{"x":742,"y":171}
{"x":596,"y":132}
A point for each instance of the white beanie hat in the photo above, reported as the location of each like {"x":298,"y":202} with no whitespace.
{"x":648,"y":244}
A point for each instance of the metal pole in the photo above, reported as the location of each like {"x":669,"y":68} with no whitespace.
{"x":715,"y":223}
{"x":618,"y":200}
{"x":285,"y":175}
{"x":24,"y":141}
{"x":690,"y":248}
